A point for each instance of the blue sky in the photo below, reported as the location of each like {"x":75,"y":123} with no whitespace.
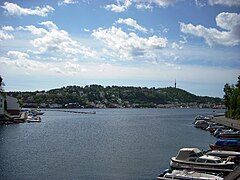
{"x":49,"y":44}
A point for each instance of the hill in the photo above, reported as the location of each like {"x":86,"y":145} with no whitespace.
{"x":115,"y":96}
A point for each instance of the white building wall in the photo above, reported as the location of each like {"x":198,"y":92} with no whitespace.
{"x":1,"y":104}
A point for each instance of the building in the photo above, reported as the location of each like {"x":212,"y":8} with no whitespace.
{"x":13,"y":106}
{"x":2,"y":99}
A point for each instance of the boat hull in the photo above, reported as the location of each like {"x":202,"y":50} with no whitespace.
{"x":223,"y":168}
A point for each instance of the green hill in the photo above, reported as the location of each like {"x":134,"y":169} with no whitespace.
{"x":114,"y":96}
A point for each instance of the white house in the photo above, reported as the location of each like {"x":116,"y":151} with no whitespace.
{"x":13,"y":106}
{"x":1,"y":104}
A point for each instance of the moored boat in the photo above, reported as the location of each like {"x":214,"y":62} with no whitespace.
{"x":230,"y":135}
{"x":233,"y":155}
{"x":185,"y":174}
{"x":194,"y":159}
{"x":227,"y":145}
{"x":201,"y":124}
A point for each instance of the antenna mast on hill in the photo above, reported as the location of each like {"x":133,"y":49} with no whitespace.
{"x":175,"y":84}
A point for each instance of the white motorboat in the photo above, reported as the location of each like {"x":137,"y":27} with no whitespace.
{"x":201,"y":124}
{"x":33,"y":119}
{"x":194,"y":159}
{"x":188,"y":175}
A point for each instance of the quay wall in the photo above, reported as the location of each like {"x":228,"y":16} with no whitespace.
{"x":232,"y":123}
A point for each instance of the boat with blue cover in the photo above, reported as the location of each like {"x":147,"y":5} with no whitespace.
{"x":227,"y":145}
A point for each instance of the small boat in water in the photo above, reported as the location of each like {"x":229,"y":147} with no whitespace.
{"x":36,"y":112}
{"x":227,"y":145}
{"x":33,"y":119}
{"x":194,"y":159}
{"x":187,"y":175}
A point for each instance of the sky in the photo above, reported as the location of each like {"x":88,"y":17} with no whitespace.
{"x":148,"y":43}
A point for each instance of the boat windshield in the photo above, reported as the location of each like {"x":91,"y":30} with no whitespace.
{"x":199,"y":154}
{"x":219,"y":161}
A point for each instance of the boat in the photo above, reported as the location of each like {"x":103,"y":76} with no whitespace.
{"x":36,"y":112}
{"x":194,"y":159}
{"x":227,"y":145}
{"x":213,"y":127}
{"x":230,"y":134}
{"x":201,"y":117}
{"x":233,"y":155}
{"x":33,"y":119}
{"x":185,"y":174}
{"x":201,"y":124}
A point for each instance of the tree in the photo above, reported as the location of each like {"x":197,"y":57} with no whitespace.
{"x":232,"y":100}
{"x":238,"y":83}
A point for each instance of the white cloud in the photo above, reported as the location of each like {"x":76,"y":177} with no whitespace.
{"x":16,"y":10}
{"x":65,"y":2}
{"x":225,"y":2}
{"x":159,"y":72}
{"x":4,"y":35}
{"x":230,"y":36}
{"x":17,"y":55}
{"x":132,"y":23}
{"x":176,"y":46}
{"x":119,"y":8}
{"x":53,"y":40}
{"x":7,"y":28}
{"x":34,"y":30}
{"x":140,"y":4}
{"x":49,"y":24}
{"x":130,"y":45}
{"x":86,"y":30}
{"x":144,"y":6}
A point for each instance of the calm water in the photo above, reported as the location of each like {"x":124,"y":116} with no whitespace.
{"x":112,"y":144}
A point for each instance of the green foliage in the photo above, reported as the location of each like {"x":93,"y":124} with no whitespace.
{"x":232,"y":100}
{"x":115,"y":96}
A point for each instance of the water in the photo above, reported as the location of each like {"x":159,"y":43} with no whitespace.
{"x":112,"y":144}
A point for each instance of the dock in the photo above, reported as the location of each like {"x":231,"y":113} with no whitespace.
{"x":232,"y":123}
{"x":71,"y":111}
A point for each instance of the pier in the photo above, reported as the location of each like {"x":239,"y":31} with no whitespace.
{"x":232,"y":123}
{"x":71,"y":111}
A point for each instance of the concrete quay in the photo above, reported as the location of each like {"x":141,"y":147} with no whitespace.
{"x":232,"y":123}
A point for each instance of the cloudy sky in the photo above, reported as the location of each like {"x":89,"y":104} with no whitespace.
{"x":49,"y":44}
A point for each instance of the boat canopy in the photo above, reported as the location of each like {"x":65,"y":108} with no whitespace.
{"x":227,"y":142}
{"x":185,"y":153}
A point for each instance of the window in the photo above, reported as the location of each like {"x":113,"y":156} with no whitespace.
{"x":193,"y":155}
{"x":192,"y":159}
{"x":201,"y":160}
{"x":211,"y":161}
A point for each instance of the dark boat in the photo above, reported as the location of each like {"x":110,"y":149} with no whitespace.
{"x":227,"y":145}
{"x":230,"y":135}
